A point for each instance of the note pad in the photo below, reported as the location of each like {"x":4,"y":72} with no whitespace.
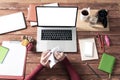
{"x":106,"y":63}
{"x":93,"y":50}
{"x":3,"y":53}
{"x":12,"y":22}
{"x":14,"y":63}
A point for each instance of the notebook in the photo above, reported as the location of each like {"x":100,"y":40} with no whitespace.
{"x":3,"y":53}
{"x":14,"y":63}
{"x":107,"y":63}
{"x":88,"y":49}
{"x":12,"y":22}
{"x":31,"y":13}
{"x":58,"y":21}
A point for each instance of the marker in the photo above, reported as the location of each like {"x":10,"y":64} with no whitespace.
{"x":107,"y":40}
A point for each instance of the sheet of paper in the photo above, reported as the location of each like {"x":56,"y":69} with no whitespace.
{"x":82,"y":46}
{"x":88,"y":49}
{"x":33,"y":23}
{"x":12,"y":22}
{"x":51,"y":4}
{"x":14,"y":62}
{"x":52,"y":59}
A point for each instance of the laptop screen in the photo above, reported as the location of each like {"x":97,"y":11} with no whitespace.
{"x":56,"y":16}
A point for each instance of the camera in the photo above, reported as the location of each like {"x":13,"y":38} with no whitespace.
{"x":102,"y":17}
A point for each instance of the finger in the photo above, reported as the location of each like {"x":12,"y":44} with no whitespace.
{"x":45,"y":63}
{"x":44,"y":53}
{"x":58,"y":53}
{"x":46,"y":56}
{"x":55,"y":55}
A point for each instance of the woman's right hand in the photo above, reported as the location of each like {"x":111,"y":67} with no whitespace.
{"x":44,"y":58}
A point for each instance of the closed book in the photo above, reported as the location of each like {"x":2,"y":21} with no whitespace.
{"x":32,"y":13}
{"x":106,"y":63}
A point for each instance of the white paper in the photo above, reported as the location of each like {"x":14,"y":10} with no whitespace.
{"x":88,"y":49}
{"x":82,"y":46}
{"x":52,"y":59}
{"x":14,"y":62}
{"x":51,"y":4}
{"x":12,"y":22}
{"x":33,"y":23}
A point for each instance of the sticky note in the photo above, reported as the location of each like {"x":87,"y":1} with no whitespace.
{"x":3,"y":53}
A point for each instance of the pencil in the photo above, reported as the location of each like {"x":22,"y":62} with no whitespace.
{"x":92,"y":70}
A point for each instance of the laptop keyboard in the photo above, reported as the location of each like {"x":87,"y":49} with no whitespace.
{"x":56,"y":35}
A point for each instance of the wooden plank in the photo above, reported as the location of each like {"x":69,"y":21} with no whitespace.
{"x":65,"y":1}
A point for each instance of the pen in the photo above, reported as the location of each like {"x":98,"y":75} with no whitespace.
{"x":92,"y":70}
{"x":100,"y":41}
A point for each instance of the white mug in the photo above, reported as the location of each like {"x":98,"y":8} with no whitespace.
{"x":84,"y":14}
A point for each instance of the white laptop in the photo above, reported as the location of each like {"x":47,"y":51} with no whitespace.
{"x":56,"y":28}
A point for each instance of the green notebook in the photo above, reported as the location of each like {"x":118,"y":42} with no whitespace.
{"x":3,"y":53}
{"x":106,"y":63}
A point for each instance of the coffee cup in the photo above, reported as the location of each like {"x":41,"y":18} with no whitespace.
{"x":84,"y":14}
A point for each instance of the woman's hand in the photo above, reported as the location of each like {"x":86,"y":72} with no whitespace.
{"x":44,"y":58}
{"x":59,"y":55}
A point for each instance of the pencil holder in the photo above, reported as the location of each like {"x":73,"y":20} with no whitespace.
{"x":29,"y":46}
{"x":25,"y":42}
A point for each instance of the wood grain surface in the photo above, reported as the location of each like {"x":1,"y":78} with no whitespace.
{"x":58,"y":72}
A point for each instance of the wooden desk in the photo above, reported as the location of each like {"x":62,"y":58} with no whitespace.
{"x":58,"y":72}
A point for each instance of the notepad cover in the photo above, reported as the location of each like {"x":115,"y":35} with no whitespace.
{"x":106,"y":63}
{"x":82,"y":49}
{"x":31,"y":13}
{"x":3,"y":53}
